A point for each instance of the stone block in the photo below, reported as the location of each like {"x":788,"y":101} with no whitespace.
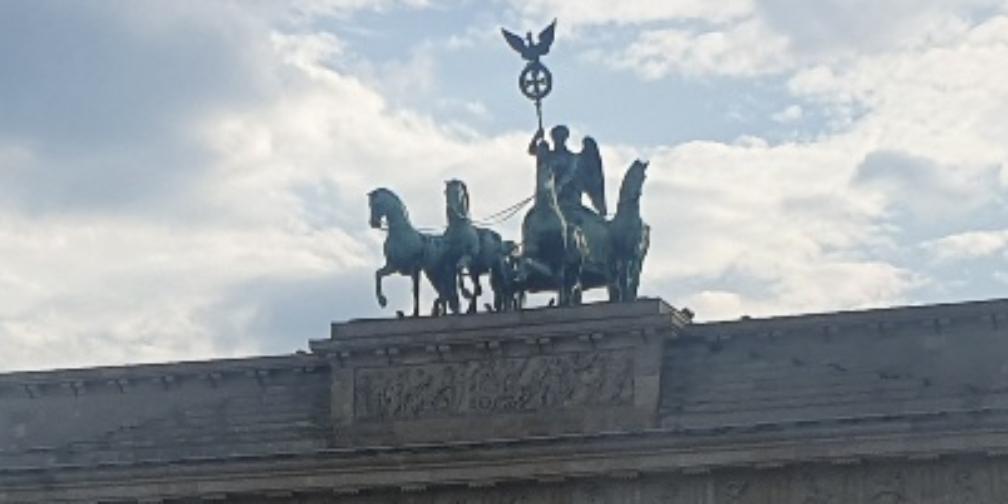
{"x":592,"y":368}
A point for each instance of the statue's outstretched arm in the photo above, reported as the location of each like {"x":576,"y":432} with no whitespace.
{"x":533,"y":147}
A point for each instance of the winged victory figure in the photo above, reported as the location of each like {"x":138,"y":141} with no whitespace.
{"x":527,"y":47}
{"x":577,"y":173}
{"x":590,"y":172}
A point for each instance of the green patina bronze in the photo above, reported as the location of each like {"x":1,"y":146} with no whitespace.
{"x":566,"y":247}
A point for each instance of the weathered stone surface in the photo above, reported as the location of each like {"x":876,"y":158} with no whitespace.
{"x":900,"y":362}
{"x":163,"y":412}
{"x":953,"y":481}
{"x":503,"y":375}
{"x":495,"y":386}
{"x":612,"y":403}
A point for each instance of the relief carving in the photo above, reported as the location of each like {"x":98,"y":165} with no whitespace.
{"x":493,"y":386}
{"x":734,"y":491}
{"x":668,"y":493}
{"x":887,"y":486}
{"x":591,"y":493}
{"x":966,"y":486}
{"x":812,"y":489}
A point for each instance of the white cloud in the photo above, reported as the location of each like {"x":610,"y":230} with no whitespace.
{"x":741,"y":50}
{"x":111,"y":290}
{"x":310,"y":9}
{"x":790,"y":114}
{"x":265,"y":239}
{"x":777,"y":227}
{"x":926,"y":189}
{"x":600,"y":12}
{"x":774,"y":36}
{"x":968,"y":245}
{"x":942,"y":102}
{"x":179,"y":280}
{"x":844,"y":28}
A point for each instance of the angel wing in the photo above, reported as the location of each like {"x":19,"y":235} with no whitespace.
{"x":590,"y":171}
{"x":546,"y":38}
{"x":516,"y":42}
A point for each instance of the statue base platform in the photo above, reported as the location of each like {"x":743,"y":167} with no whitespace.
{"x":541,"y":372}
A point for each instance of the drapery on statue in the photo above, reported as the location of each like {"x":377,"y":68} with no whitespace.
{"x":566,"y":247}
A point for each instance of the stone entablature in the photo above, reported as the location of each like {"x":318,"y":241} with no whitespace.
{"x":162,"y":412}
{"x":508,"y":375}
{"x":35,"y":384}
{"x":852,"y":367}
{"x":601,"y":403}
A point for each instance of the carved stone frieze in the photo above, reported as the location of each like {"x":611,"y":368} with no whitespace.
{"x":494,"y":386}
{"x":887,"y":485}
{"x":817,"y":487}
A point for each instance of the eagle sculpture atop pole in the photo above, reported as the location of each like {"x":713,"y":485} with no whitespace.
{"x":530,"y":50}
{"x":535,"y":80}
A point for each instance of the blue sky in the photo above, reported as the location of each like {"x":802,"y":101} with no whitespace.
{"x":184,"y":180}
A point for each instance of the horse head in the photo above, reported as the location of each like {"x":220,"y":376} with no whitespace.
{"x":633,"y":182}
{"x":384,"y":203}
{"x":456,"y":199}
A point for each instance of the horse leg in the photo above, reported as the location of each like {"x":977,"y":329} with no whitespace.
{"x":453,"y":298}
{"x":496,"y":280}
{"x":438,"y":307}
{"x":638,"y":267}
{"x":561,"y":287}
{"x":477,"y":290}
{"x":447,"y":289}
{"x":630,"y":293}
{"x":624,"y":281}
{"x":474,"y":294}
{"x":617,"y":282}
{"x":465,"y":290}
{"x":457,"y":282}
{"x":613,"y":290}
{"x":576,"y":287}
{"x":416,"y":293}
{"x":611,"y":280}
{"x":381,"y":273}
{"x":614,"y":282}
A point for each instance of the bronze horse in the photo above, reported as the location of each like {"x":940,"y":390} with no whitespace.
{"x":409,"y":252}
{"x":475,"y":250}
{"x":629,"y":236}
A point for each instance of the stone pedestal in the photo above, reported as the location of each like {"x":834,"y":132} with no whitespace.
{"x":582,"y":370}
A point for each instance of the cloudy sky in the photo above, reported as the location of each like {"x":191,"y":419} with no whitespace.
{"x":187,"y":179}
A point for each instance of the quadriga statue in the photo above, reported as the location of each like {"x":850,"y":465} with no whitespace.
{"x":570,"y":248}
{"x":566,"y":247}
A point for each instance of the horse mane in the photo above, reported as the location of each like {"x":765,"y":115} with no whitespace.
{"x":385,"y":192}
{"x":465,"y":196}
{"x":632,"y":181}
